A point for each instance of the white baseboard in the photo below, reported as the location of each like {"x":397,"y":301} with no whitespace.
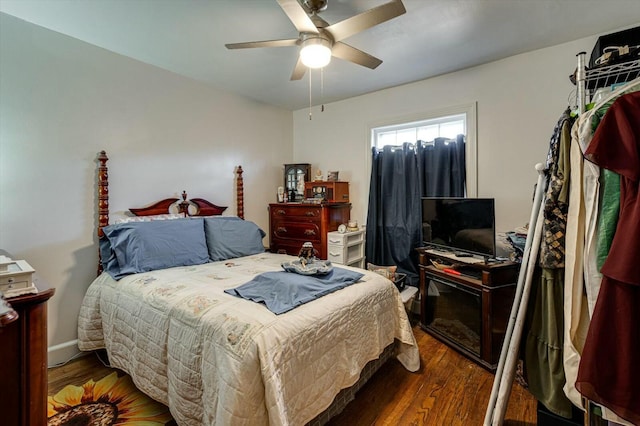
{"x":63,"y":352}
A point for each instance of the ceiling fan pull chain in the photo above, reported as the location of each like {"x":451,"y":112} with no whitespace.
{"x":310,"y":93}
{"x":322,"y":89}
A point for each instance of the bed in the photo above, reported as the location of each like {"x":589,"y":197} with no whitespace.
{"x":215,"y":358}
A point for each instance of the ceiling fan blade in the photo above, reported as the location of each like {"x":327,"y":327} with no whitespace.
{"x":298,"y":70}
{"x":298,"y":16}
{"x":319,"y":22}
{"x":265,"y":43}
{"x":351,"y":54}
{"x":368,"y":19}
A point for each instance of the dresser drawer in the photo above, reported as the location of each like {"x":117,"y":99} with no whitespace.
{"x":345,"y":255}
{"x":291,"y":248}
{"x":16,"y":280}
{"x":346,"y":239}
{"x":12,"y":284}
{"x":300,"y":212}
{"x":336,"y":254}
{"x":304,"y":231}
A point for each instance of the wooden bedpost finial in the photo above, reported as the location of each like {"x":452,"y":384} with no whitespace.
{"x":103,"y":198}
{"x":183,"y":207}
{"x":239,"y":193}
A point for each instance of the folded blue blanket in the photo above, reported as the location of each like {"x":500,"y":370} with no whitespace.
{"x":283,"y":291}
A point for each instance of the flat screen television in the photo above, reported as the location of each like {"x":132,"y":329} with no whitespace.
{"x":464,"y":225}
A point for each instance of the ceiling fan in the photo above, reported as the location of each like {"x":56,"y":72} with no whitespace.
{"x":319,"y":40}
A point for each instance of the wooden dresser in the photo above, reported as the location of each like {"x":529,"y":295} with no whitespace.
{"x":292,"y":224}
{"x":23,"y":360}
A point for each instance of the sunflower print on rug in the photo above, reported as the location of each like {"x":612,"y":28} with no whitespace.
{"x":111,"y":400}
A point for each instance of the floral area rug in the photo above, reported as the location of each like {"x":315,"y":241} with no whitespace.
{"x":111,"y":400}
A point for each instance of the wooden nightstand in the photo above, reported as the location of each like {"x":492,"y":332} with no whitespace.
{"x":23,"y":359}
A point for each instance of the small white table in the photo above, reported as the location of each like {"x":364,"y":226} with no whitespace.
{"x":346,"y":249}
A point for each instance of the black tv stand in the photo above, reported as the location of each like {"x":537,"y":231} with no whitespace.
{"x":466,"y":304}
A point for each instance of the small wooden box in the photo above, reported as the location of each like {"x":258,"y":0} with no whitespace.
{"x":330,"y":191}
{"x":15,"y":274}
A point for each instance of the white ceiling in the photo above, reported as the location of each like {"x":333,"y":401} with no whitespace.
{"x":433,"y":37}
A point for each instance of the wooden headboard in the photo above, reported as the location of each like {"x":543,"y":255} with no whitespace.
{"x":202,"y":206}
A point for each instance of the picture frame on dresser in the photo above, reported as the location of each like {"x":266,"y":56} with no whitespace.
{"x":293,"y":172}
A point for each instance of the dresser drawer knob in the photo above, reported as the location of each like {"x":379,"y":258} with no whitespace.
{"x":310,"y":213}
{"x":309,"y":232}
{"x":280,"y":211}
{"x":282,"y":229}
{"x":334,"y":241}
{"x":334,"y":254}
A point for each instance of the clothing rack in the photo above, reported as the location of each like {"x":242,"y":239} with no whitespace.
{"x":505,"y":372}
{"x":587,"y":81}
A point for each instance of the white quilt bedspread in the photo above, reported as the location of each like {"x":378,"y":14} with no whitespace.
{"x":217,"y":359}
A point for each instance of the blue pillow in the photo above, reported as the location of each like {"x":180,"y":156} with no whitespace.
{"x":230,"y":237}
{"x":108,"y":257}
{"x":147,"y":246}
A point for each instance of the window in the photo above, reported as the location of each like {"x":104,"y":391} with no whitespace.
{"x":446,"y":122}
{"x":426,"y":130}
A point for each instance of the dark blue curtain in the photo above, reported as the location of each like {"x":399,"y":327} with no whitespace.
{"x":442,"y":167}
{"x":400,"y":176}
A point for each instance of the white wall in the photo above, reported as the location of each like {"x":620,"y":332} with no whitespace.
{"x":519,"y":100}
{"x":62,"y":101}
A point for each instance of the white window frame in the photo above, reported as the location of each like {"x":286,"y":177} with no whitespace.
{"x":413,"y":127}
{"x":409,"y":121}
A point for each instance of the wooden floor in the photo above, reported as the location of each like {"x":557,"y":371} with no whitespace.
{"x":448,"y":389}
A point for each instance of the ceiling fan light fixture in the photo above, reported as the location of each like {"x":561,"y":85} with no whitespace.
{"x":316,"y":52}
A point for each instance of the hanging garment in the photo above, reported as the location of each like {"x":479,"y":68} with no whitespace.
{"x":576,"y":307}
{"x":609,"y":200}
{"x":576,"y":314}
{"x":609,"y":212}
{"x":543,"y":345}
{"x":610,"y":377}
{"x":592,"y":197}
{"x":557,"y":195}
